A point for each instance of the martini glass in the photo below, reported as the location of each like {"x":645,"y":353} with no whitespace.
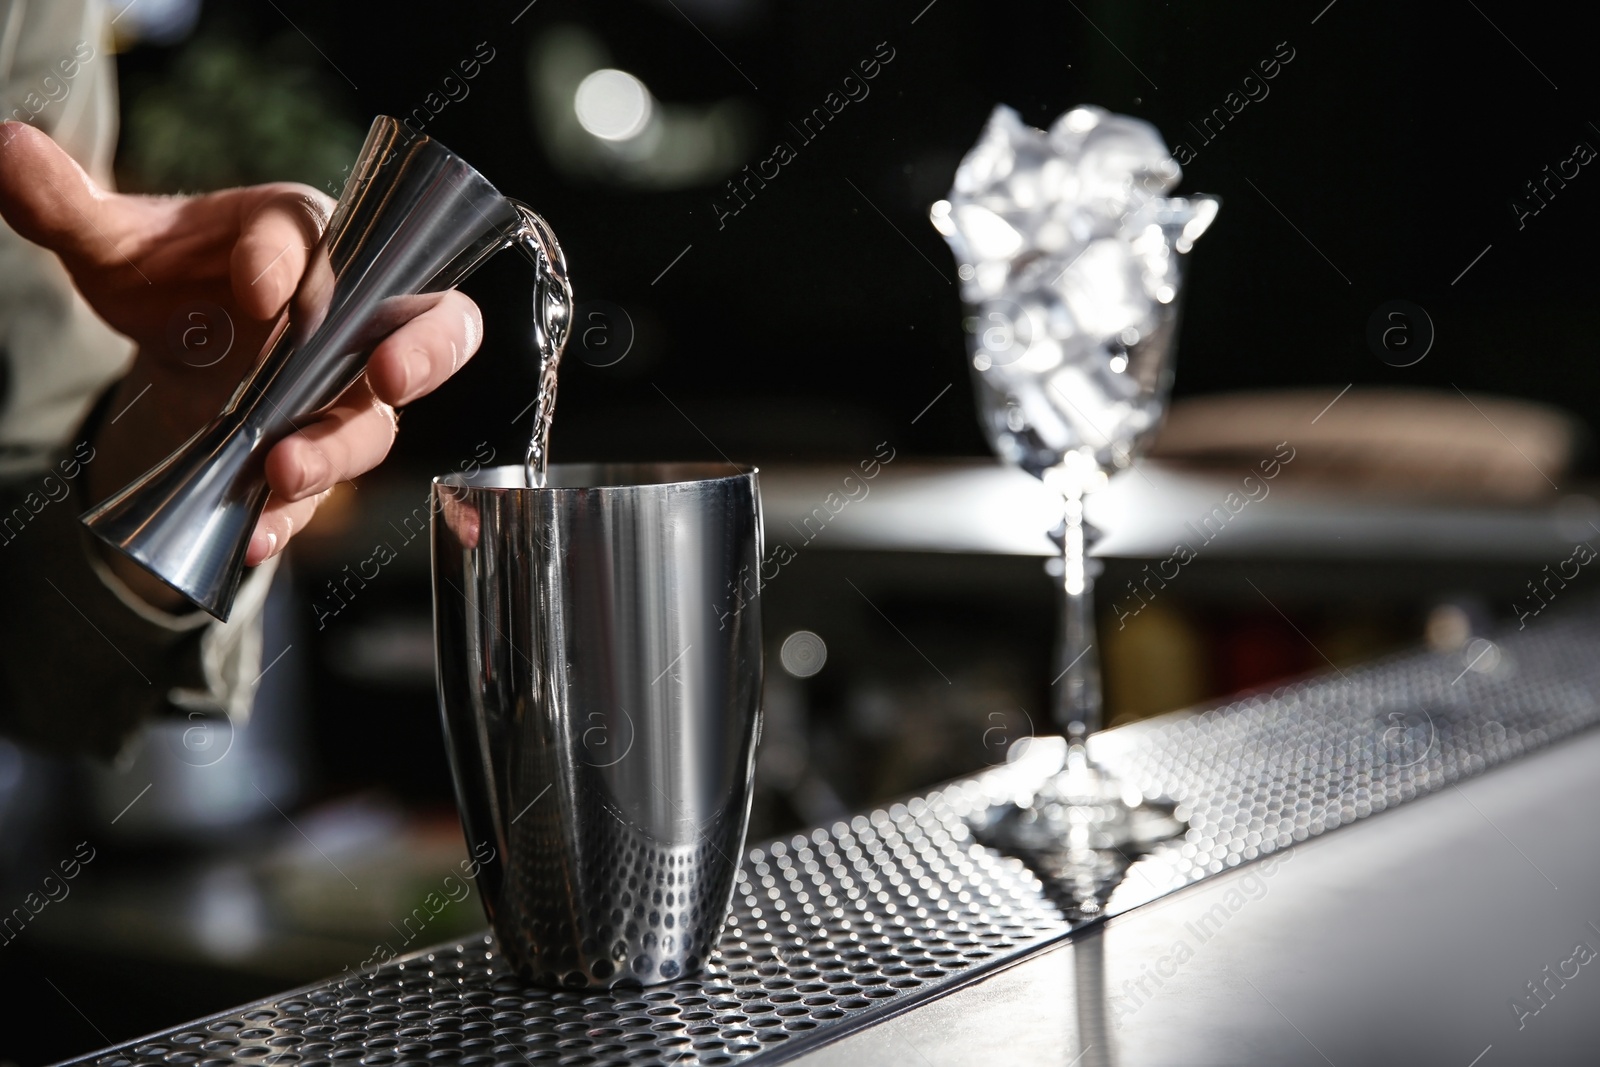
{"x":1071,"y":258}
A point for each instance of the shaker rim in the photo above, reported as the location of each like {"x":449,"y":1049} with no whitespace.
{"x":576,"y":477}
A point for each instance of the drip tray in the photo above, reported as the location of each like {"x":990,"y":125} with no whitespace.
{"x":843,"y":926}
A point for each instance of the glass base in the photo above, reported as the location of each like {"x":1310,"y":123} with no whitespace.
{"x":1079,"y":834}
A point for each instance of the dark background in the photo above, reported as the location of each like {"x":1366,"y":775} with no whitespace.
{"x":822,"y":319}
{"x":1394,"y":143}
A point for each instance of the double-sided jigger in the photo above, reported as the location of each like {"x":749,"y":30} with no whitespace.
{"x":414,"y":219}
{"x":600,"y":685}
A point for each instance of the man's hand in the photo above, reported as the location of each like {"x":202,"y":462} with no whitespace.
{"x":140,"y":259}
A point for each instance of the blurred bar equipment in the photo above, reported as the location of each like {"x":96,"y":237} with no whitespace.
{"x":1070,"y":255}
{"x":414,"y":219}
{"x":599,"y":667}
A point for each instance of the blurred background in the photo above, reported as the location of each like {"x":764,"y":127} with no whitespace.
{"x":811,"y":322}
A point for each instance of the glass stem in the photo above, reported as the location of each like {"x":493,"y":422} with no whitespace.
{"x":1077,"y":698}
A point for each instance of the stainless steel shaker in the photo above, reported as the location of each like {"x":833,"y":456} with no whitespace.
{"x":599,"y":665}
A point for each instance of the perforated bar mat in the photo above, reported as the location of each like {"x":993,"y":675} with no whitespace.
{"x":838,"y":928}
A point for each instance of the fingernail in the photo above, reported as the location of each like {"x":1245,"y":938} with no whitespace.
{"x":417,"y":366}
{"x":316,"y":469}
{"x":262,"y":544}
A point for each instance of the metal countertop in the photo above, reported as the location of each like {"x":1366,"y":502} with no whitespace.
{"x":1402,"y":939}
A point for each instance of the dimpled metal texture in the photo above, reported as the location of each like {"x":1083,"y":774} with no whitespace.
{"x":638,"y":898}
{"x":600,"y":707}
{"x":834,"y":929}
{"x":1266,"y":771}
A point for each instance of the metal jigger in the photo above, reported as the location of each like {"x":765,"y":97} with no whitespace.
{"x":414,"y":219}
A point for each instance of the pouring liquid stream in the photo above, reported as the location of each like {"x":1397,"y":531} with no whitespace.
{"x":544,"y":407}
{"x":552,"y":314}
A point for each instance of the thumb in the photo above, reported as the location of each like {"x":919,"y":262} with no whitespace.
{"x":47,"y":198}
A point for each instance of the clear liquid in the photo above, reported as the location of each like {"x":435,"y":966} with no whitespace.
{"x":552,"y":313}
{"x":544,"y":410}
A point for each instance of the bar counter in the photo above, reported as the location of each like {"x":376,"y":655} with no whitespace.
{"x":1261,"y":936}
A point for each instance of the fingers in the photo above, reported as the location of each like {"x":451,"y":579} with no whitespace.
{"x":47,"y":198}
{"x":280,"y":521}
{"x":279,"y":227}
{"x":349,"y":439}
{"x":417,"y":357}
{"x":355,"y":434}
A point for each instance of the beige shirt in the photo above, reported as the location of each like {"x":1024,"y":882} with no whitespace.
{"x":83,"y":661}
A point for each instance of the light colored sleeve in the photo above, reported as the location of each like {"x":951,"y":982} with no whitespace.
{"x":83,"y":660}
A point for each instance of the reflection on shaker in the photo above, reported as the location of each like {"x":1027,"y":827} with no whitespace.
{"x":460,"y":515}
{"x":600,"y":707}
